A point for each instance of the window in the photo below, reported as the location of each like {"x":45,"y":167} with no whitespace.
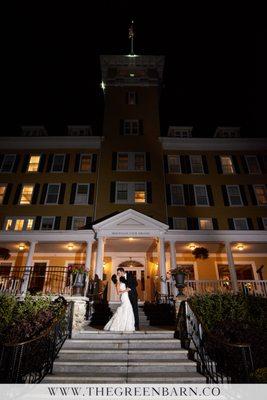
{"x":234,"y":195}
{"x":139,"y":162}
{"x":8,"y":162}
{"x":33,"y":163}
{"x":82,"y":193}
{"x":85,"y":163}
{"x":177,"y":195}
{"x":179,"y":223}
{"x":26,"y":194}
{"x":131,"y":162}
{"x":47,"y":223}
{"x":240,"y":224}
{"x":205,"y":223}
{"x":174,"y":163}
{"x":2,"y":192}
{"x":52,"y":193}
{"x":122,"y":192}
{"x":261,"y":194}
{"x":227,"y":164}
{"x":78,"y":223}
{"x":131,"y":98}
{"x":139,"y":193}
{"x":252,"y":164}
{"x":131,"y":192}
{"x":201,"y":195}
{"x":122,"y":161}
{"x":196,"y":164}
{"x":264,"y":221}
{"x":131,"y":127}
{"x":19,"y":224}
{"x":58,"y":163}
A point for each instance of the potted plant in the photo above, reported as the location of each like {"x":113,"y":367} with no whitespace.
{"x":200,"y":252}
{"x":179,"y":273}
{"x":78,"y":273}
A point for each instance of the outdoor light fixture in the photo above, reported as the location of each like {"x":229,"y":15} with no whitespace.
{"x":240,"y":247}
{"x":131,"y":75}
{"x":130,"y":238}
{"x":192,"y":246}
{"x":70,"y":246}
{"x":103,"y":86}
{"x":21,"y":246}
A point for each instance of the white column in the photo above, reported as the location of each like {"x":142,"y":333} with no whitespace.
{"x":88,"y":256}
{"x":231,"y":264}
{"x":162,"y":266}
{"x":173,"y":254}
{"x":100,"y":257}
{"x":26,"y":276}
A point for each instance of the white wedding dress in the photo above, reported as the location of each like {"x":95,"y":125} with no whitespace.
{"x":123,"y":318}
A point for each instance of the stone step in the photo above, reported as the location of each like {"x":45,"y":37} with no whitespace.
{"x":89,"y":335}
{"x":123,"y":344}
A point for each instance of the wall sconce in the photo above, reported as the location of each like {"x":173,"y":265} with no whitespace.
{"x":21,"y":246}
{"x":70,"y":246}
{"x":192,"y":246}
{"x":240,"y":247}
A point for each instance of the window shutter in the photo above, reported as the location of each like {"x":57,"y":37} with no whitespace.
{"x":25,"y":163}
{"x":186,"y":195}
{"x":168,"y":193}
{"x":250,"y":224}
{"x":17,"y":194}
{"x":165,"y":163}
{"x":62,"y":193}
{"x":183,"y":164}
{"x":195,"y":223}
{"x":191,"y":195}
{"x":88,"y":224}
{"x":225,"y":196}
{"x":121,"y":131}
{"x":127,"y":97}
{"x":210,"y":195}
{"x":260,"y":223}
{"x":252,"y":195}
{"x":231,"y":224}
{"x":94,"y":159}
{"x":16,"y":163}
{"x":218,"y":164}
{"x":190,"y":223}
{"x":205,"y":165}
{"x":43,"y":194}
{"x":262,"y":164}
{"x":91,"y":193}
{"x":49,"y":163}
{"x":37,"y":223}
{"x":243,"y":195}
{"x":77,"y":162}
{"x":170,"y":222}
{"x":57,"y":223}
{"x":114,"y":161}
{"x":244,"y":164}
{"x":236,"y":164}
{"x":141,"y":127}
{"x":1,"y":160}
{"x":136,"y":98}
{"x":148,"y":162}
{"x":215,"y":224}
{"x":7,"y":193}
{"x":66,"y":164}
{"x":42,"y":162}
{"x":112,"y":192}
{"x":73,"y":193}
{"x":149,"y":192}
{"x":69,"y":223}
{"x":188,"y":164}
{"x":35,"y":193}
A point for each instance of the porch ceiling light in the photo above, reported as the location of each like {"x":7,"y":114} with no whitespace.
{"x":192,"y":246}
{"x":240,"y":247}
{"x":70,"y":246}
{"x":21,"y":246}
{"x":130,"y":239}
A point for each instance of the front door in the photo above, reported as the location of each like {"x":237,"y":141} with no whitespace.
{"x":37,"y":277}
{"x":139,"y":274}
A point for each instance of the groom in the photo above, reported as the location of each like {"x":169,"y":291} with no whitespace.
{"x":132,"y":284}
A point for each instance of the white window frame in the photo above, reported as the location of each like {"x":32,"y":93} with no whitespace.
{"x":207,"y":197}
{"x":3,"y":161}
{"x":14,"y":220}
{"x":254,"y":186}
{"x":131,"y":122}
{"x":77,"y":216}
{"x":80,"y":163}
{"x":201,"y":163}
{"x":179,"y":218}
{"x":131,"y":161}
{"x":257,"y":162}
{"x":33,"y":155}
{"x":47,"y":192}
{"x":227,"y":173}
{"x":229,"y":197}
{"x":53,"y":224}
{"x":264,"y":222}
{"x":63,"y":164}
{"x":168,"y":160}
{"x":243,"y":219}
{"x":26,"y":184}
{"x":130,"y":193}
{"x":205,"y":218}
{"x":174,"y":204}
{"x":4,"y":185}
{"x":76,"y":193}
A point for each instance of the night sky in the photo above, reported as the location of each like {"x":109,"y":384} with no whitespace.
{"x":215,"y":72}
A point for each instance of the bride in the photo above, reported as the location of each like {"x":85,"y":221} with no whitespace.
{"x":123,"y":318}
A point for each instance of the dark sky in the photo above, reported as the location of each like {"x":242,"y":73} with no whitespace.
{"x":215,"y":72}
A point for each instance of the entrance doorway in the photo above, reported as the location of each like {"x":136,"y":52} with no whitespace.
{"x":37,"y":277}
{"x":138,"y":271}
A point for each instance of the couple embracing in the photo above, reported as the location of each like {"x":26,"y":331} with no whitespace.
{"x":126,"y":316}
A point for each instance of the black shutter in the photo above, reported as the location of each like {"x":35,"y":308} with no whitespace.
{"x":210,"y":195}
{"x":183,"y":164}
{"x":121,"y":130}
{"x":218,"y":164}
{"x":41,"y":162}
{"x":141,"y":127}
{"x":69,"y":223}
{"x":37,"y":223}
{"x":243,"y":195}
{"x":231,"y":224}
{"x":1,"y":160}
{"x":250,"y":224}
{"x":205,"y":165}
{"x":16,"y":163}
{"x":73,"y":193}
{"x":236,"y":165}
{"x":215,"y":224}
{"x":77,"y":162}
{"x":149,"y":192}
{"x":43,"y":194}
{"x":57,"y":223}
{"x":136,"y":98}
{"x":190,"y":223}
{"x":148,"y":162}
{"x":17,"y":194}
{"x":252,"y":195}
{"x":91,"y":193}
{"x":127,"y":97}
{"x":114,"y":161}
{"x":225,"y":196}
{"x":263,"y":165}
{"x":244,"y":164}
{"x":94,"y":159}
{"x":112,"y":191}
{"x":168,"y":193}
{"x":7,"y":193}
{"x":192,"y":201}
{"x":260,"y":223}
{"x":88,"y":223}
{"x":165,"y":162}
{"x":188,"y":164}
{"x":62,"y":193}
{"x":35,"y":193}
{"x":195,"y":223}
{"x":170,"y":222}
{"x":49,"y":163}
{"x":186,"y":195}
{"x":66,"y":163}
{"x":25,"y":163}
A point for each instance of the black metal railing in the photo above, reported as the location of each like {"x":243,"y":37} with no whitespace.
{"x":31,"y":361}
{"x":217,"y":360}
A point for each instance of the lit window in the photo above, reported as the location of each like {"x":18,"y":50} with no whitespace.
{"x":196,"y":164}
{"x":26,"y":194}
{"x":82,"y":193}
{"x":177,"y":195}
{"x":139,"y":164}
{"x":205,"y":223}
{"x":9,"y":224}
{"x":78,"y":223}
{"x":58,"y":163}
{"x":8,"y":163}
{"x":227,"y":165}
{"x":140,"y":193}
{"x":2,"y":193}
{"x":47,"y":223}
{"x":29,"y":225}
{"x":34,"y":164}
{"x":131,"y":98}
{"x":261,"y":194}
{"x":19,"y":224}
{"x":123,"y":161}
{"x":179,"y":223}
{"x":52,"y":193}
{"x":234,"y":195}
{"x":252,"y":164}
{"x":85,"y":163}
{"x":131,"y":127}
{"x":201,"y":195}
{"x":131,"y":161}
{"x":174,"y":163}
{"x":240,"y":224}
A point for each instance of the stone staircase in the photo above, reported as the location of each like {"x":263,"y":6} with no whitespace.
{"x":123,"y":357}
{"x":143,"y":321}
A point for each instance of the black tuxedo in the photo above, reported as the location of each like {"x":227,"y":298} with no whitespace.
{"x":131,"y":283}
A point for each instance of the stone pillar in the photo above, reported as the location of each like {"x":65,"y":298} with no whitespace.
{"x":231,"y":264}
{"x":88,"y":256}
{"x":100,"y":257}
{"x":172,"y":254}
{"x":162,"y":266}
{"x":26,"y":276}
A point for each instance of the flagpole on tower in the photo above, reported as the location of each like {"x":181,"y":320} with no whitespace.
{"x":131,"y":36}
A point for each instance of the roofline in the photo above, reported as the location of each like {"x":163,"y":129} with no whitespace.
{"x":50,"y":142}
